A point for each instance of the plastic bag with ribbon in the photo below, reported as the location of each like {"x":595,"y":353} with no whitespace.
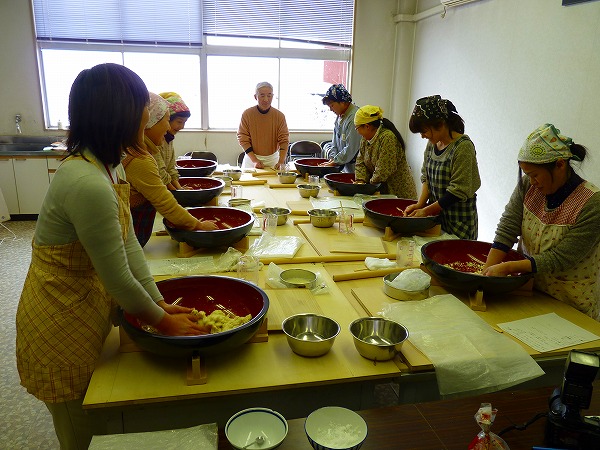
{"x":486,"y":440}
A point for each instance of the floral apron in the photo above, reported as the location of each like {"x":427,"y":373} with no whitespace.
{"x":578,"y":286}
{"x":64,"y":316}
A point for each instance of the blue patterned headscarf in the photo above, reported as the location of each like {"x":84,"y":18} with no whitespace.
{"x":337,"y":93}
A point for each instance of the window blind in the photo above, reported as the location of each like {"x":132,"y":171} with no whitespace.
{"x":155,"y":22}
{"x":182,"y":22}
{"x":327,"y":22}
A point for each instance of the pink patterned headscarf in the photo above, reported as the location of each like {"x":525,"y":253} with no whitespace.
{"x":157,"y":107}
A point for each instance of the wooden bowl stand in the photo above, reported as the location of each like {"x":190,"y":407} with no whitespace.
{"x":336,"y":193}
{"x":476,"y":300}
{"x":186,"y":250}
{"x":389,"y":235}
{"x":196,"y":372}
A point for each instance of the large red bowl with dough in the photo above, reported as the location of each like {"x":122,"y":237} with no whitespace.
{"x":455,"y":263}
{"x":389,"y":212}
{"x":195,"y":167}
{"x":344,"y":184}
{"x":310,"y":166}
{"x":233,"y":224}
{"x":205,"y":293}
{"x":197,"y":191}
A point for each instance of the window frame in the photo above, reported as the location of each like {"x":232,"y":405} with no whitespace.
{"x":338,"y":52}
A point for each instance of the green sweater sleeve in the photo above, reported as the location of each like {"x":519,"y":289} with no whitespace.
{"x":582,"y":238}
{"x":81,"y":204}
{"x":465,"y":180}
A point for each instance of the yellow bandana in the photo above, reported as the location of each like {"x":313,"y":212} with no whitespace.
{"x":368,"y":114}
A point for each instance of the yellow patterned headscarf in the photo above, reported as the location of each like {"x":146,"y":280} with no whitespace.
{"x":368,"y":114}
{"x":545,"y":144}
{"x":176,"y":104}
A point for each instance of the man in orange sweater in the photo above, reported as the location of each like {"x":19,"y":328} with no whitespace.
{"x":263,"y":133}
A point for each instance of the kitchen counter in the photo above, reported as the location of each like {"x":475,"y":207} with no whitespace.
{"x":39,"y":153}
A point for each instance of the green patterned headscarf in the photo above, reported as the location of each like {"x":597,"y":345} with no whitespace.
{"x":545,"y":145}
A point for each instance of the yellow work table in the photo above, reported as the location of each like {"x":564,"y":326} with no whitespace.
{"x":137,"y":391}
{"x":368,"y":298}
{"x":134,"y":391}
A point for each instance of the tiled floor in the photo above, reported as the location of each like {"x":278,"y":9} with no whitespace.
{"x":27,"y":424}
{"x":26,"y":421}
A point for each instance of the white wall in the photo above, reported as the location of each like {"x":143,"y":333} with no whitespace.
{"x":509,"y":66}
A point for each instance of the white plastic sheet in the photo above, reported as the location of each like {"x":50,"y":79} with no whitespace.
{"x":411,"y":280}
{"x":469,"y":356}
{"x":195,"y":265}
{"x":201,"y":437}
{"x":268,"y":246}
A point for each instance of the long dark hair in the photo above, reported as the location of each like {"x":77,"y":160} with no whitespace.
{"x":387,"y":123}
{"x":419,"y":123}
{"x":106,"y":104}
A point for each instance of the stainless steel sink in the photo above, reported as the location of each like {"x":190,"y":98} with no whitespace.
{"x":26,"y":143}
{"x":22,"y":147}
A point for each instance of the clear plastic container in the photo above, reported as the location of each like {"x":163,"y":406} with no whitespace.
{"x":405,"y":252}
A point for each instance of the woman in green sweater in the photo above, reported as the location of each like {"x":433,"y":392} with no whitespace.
{"x":554,"y":214}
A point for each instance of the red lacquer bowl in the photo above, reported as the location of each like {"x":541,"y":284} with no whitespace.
{"x":197,"y":191}
{"x":205,"y":293}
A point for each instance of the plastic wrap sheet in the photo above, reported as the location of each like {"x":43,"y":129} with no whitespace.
{"x":274,"y":282}
{"x":195,"y":265}
{"x":469,"y":357}
{"x":201,"y":437}
{"x":268,"y":246}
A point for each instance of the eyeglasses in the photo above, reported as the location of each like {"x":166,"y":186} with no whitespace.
{"x":357,"y":127}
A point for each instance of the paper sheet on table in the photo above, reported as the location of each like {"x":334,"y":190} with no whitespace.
{"x":201,"y":437}
{"x":469,"y":356}
{"x":548,"y":332}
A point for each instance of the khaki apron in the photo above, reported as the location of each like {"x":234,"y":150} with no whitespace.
{"x":64,"y":316}
{"x":578,"y":286}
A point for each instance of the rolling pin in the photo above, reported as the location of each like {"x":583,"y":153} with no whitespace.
{"x":282,"y":185}
{"x":358,"y":275}
{"x":264,"y":173}
{"x":299,"y":221}
{"x":321,"y":259}
{"x":248,"y":182}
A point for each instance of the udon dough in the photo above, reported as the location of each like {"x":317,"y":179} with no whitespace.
{"x":220,"y":321}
